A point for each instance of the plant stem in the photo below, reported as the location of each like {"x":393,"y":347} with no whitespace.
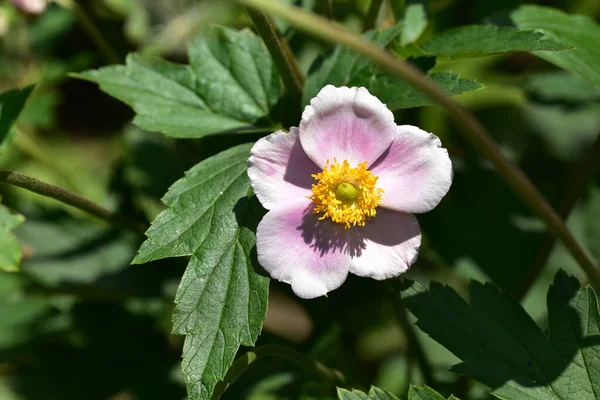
{"x":272,"y":350}
{"x":414,"y":347}
{"x":579,"y":182}
{"x":64,"y":196}
{"x":371,"y":16}
{"x":471,"y":128}
{"x":35,"y":148}
{"x":92,"y":30}
{"x":280,"y":51}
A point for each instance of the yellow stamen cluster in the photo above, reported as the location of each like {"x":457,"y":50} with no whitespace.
{"x":346,"y":195}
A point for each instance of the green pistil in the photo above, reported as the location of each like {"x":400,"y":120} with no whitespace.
{"x":346,"y":192}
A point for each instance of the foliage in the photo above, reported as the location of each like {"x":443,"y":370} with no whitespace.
{"x":11,"y":104}
{"x":10,"y":250}
{"x":221,"y":300}
{"x":194,"y":100}
{"x":91,"y":308}
{"x":506,"y":350}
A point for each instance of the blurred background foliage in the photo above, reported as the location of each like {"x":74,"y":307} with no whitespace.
{"x":79,"y":322}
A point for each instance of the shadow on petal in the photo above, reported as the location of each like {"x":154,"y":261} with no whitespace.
{"x":300,"y":168}
{"x":325,"y":236}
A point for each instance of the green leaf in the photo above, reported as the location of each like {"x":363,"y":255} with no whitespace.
{"x":577,"y":31}
{"x":346,"y":68}
{"x":561,"y":86}
{"x":414,"y":22}
{"x":483,"y":40}
{"x":415,"y":393}
{"x":565,"y":130}
{"x":397,"y":94}
{"x":222,"y":300}
{"x":230,"y":83}
{"x":505,"y":349}
{"x":374,"y":394}
{"x":10,"y":250}
{"x":11,"y":104}
{"x":425,"y":393}
{"x":79,"y":252}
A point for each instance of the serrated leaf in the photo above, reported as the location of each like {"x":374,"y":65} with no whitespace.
{"x":374,"y":394}
{"x":11,"y":104}
{"x":221,"y":301}
{"x":344,"y":67}
{"x":483,"y":40}
{"x":578,"y":31}
{"x":414,"y":393}
{"x":230,"y":83}
{"x":10,"y":249}
{"x":505,"y":349}
{"x":397,"y":94}
{"x":425,"y":393}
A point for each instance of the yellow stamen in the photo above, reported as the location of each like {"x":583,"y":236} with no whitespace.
{"x":346,"y":195}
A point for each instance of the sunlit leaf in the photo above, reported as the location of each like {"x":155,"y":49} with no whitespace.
{"x":578,"y":31}
{"x":482,"y":40}
{"x":374,"y":394}
{"x":10,"y":249}
{"x":425,"y":393}
{"x":415,"y":393}
{"x":414,"y":22}
{"x":230,"y":83}
{"x":11,"y":104}
{"x":344,"y":67}
{"x":222,"y":300}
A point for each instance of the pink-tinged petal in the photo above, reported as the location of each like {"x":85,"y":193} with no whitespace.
{"x":415,"y":172}
{"x":279,"y":170}
{"x":296,"y":248}
{"x":348,"y":124}
{"x":389,"y":245}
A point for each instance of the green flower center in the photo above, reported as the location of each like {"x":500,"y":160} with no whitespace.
{"x":346,"y":192}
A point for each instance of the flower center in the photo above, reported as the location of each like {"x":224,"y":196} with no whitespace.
{"x":346,"y":195}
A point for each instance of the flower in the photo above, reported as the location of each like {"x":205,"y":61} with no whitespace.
{"x":341,"y":191}
{"x":31,"y":6}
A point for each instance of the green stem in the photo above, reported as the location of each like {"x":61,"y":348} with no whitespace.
{"x":371,"y":16}
{"x":414,"y":346}
{"x":398,"y":7}
{"x":64,"y":196}
{"x":579,"y":181}
{"x":92,"y":30}
{"x":35,"y":148}
{"x":310,"y":366}
{"x":280,"y":51}
{"x":471,"y":128}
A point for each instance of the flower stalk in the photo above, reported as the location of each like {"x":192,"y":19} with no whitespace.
{"x":280,"y":51}
{"x":580,"y":180}
{"x":72,"y":199}
{"x":471,"y":128}
{"x":308,"y":365}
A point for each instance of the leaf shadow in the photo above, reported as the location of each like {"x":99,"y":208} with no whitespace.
{"x":248,"y":213}
{"x":499,"y":344}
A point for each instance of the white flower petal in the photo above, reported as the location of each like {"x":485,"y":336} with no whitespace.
{"x":296,"y":248}
{"x":279,"y":170}
{"x":346,"y":124}
{"x":415,"y":172}
{"x":386,"y":246}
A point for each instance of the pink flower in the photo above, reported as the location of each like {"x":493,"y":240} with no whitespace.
{"x":341,"y":190}
{"x":31,"y":6}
